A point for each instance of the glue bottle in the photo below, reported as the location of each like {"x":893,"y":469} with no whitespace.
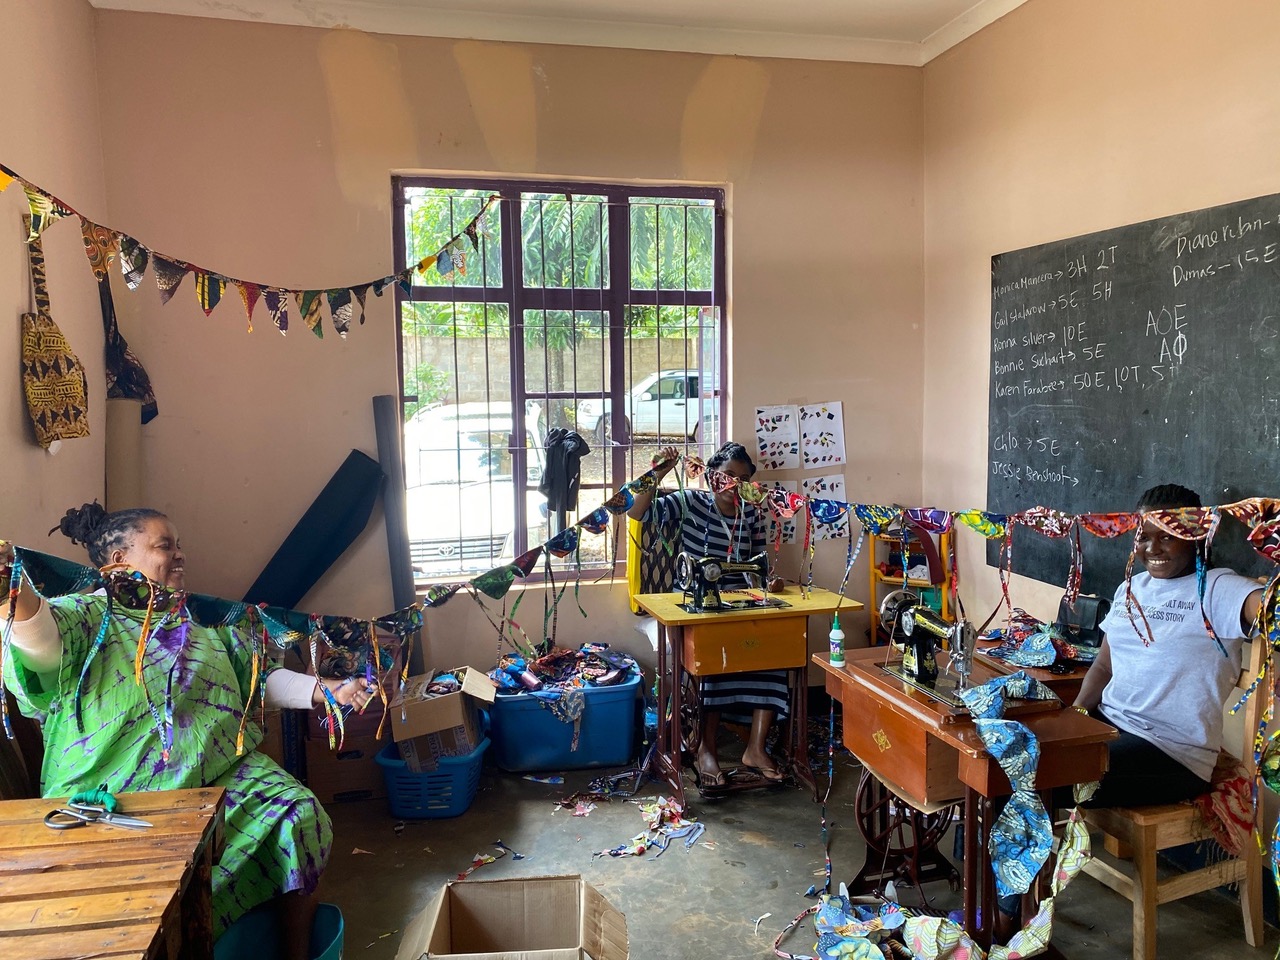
{"x":836,"y":636}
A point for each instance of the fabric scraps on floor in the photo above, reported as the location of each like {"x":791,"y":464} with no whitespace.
{"x":514,"y":856}
{"x":480,"y":860}
{"x":664,"y":821}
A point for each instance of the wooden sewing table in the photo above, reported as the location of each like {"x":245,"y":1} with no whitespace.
{"x":929,"y":754}
{"x":111,"y":891}
{"x":736,"y":641}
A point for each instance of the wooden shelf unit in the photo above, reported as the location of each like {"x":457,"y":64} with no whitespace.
{"x":882,"y":584}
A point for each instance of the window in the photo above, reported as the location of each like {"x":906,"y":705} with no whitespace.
{"x":593,"y":307}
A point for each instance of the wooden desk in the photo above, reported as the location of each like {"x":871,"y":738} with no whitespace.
{"x":111,"y":892}
{"x":711,"y":644}
{"x":930,"y":753}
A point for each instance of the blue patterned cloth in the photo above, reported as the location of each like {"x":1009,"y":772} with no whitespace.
{"x":1022,"y":835}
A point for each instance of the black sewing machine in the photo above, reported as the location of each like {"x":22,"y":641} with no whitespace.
{"x":922,"y":633}
{"x":699,"y":578}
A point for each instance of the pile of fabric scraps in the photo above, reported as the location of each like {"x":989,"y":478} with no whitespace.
{"x":854,"y":931}
{"x":594,"y":665}
{"x":581,"y":803}
{"x":558,"y":678}
{"x":1028,"y":642}
{"x":664,"y":821}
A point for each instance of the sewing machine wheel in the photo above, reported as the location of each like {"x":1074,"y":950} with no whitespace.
{"x":902,"y":842}
{"x":892,"y":606}
{"x":683,"y":578}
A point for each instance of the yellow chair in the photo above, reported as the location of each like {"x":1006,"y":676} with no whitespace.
{"x":1147,"y":830}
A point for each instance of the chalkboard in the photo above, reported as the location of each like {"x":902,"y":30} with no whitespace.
{"x":1136,"y":356}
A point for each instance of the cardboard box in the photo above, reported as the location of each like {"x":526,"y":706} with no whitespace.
{"x":414,"y":714}
{"x":423,"y":753}
{"x":349,"y":773}
{"x":538,"y":918}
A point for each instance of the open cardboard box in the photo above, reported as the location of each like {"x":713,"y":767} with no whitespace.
{"x":413,"y":715}
{"x":536,"y":918}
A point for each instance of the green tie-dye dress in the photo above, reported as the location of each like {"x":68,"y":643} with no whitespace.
{"x":278,"y":835}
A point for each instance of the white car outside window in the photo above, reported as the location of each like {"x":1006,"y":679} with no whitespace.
{"x":668,"y":403}
{"x":460,"y":499}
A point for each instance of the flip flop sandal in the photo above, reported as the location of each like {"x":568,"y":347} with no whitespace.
{"x":754,"y":774}
{"x":708,"y":786}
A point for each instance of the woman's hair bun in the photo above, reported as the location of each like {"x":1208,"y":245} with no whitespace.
{"x":82,"y":522}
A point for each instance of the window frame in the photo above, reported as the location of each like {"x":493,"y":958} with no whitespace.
{"x":612,"y":300}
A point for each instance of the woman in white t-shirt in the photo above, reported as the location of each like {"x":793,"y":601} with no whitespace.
{"x":1167,"y":699}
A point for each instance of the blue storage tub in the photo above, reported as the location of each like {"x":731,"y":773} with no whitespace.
{"x":527,"y":737}
{"x":257,"y":934}
{"x":446,"y":791}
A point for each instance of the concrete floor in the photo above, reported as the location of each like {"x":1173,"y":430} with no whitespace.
{"x":760,"y":852}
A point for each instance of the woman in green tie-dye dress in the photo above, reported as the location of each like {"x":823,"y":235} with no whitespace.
{"x":177,"y":730}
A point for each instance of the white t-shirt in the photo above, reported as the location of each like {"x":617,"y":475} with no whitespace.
{"x":1172,"y":693}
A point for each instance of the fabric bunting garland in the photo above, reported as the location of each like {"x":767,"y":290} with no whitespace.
{"x":103,"y":245}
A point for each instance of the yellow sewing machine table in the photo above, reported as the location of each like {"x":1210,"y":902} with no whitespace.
{"x":736,"y":641}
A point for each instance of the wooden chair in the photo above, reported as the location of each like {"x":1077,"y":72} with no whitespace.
{"x":1148,"y":830}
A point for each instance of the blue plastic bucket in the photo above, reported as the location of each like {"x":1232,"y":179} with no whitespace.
{"x":257,"y":935}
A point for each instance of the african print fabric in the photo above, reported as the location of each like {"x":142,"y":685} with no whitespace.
{"x":52,"y":377}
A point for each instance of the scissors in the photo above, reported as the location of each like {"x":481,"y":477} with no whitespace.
{"x":81,"y":814}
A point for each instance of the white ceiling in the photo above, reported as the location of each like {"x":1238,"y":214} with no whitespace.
{"x":910,"y":32}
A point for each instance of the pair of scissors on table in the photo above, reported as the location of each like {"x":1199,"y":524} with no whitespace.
{"x":82,"y":814}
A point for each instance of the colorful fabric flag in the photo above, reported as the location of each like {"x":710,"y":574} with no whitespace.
{"x":340,"y":311}
{"x":133,"y":261}
{"x":249,"y":294}
{"x":44,"y":210}
{"x":169,"y":274}
{"x":209,"y":289}
{"x":309,"y":311}
{"x":100,"y":246}
{"x":277,"y":304}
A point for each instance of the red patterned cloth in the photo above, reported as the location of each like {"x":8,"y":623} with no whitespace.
{"x":1227,"y":809}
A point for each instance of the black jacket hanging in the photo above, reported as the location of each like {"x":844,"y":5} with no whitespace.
{"x":563,"y":470}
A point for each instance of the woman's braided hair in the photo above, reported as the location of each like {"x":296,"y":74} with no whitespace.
{"x":731,"y":451}
{"x":1168,"y":496}
{"x":100,"y":532}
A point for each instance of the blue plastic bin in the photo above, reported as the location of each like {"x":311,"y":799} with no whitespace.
{"x":433,"y":794}
{"x":527,"y":737}
{"x":257,"y":935}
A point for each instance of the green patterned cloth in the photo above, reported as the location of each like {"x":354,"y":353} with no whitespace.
{"x":278,"y":835}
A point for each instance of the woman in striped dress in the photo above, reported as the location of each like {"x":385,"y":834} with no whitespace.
{"x":110,"y":732}
{"x":723,"y":525}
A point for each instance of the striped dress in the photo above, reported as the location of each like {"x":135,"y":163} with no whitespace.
{"x":278,"y":835}
{"x":706,"y":532}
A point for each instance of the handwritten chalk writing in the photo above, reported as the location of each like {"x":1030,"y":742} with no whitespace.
{"x":1032,"y":388}
{"x":1023,"y":283}
{"x":1182,"y":275}
{"x":1050,"y":358}
{"x":1008,"y":389}
{"x":1166,"y":321}
{"x":1003,"y":343}
{"x":1011,"y":367}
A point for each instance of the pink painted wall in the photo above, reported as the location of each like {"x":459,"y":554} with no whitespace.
{"x":266,"y":153}
{"x":1063,"y":118}
{"x":50,"y":132}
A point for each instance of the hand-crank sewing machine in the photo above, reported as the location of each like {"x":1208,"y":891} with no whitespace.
{"x":699,"y":578}
{"x":922,"y":633}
